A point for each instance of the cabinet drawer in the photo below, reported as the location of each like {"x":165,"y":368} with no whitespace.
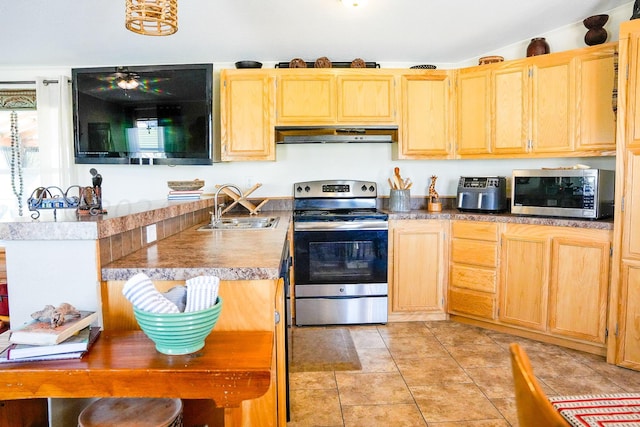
{"x":477,"y":279}
{"x":475,"y":230}
{"x":472,"y":303}
{"x":474,"y":252}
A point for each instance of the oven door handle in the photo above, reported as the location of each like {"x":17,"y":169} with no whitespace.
{"x":341,"y":225}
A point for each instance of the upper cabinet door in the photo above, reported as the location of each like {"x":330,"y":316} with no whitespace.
{"x":511,"y":109}
{"x":596,"y":120}
{"x":247,"y":115}
{"x":366,"y":99}
{"x":474,"y":111}
{"x":426,"y":131}
{"x":306,"y":98}
{"x":633,"y":82}
{"x":553,"y":104}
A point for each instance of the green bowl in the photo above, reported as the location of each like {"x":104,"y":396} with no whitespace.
{"x":179,"y":333}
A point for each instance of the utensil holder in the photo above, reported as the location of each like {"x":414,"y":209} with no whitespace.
{"x":400,"y":200}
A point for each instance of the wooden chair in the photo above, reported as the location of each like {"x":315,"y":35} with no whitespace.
{"x":534,"y":409}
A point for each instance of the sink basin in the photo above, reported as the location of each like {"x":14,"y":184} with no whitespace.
{"x":242,"y":223}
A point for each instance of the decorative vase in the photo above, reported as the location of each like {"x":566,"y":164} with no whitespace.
{"x":636,"y":10}
{"x":596,"y":34}
{"x":538,"y":46}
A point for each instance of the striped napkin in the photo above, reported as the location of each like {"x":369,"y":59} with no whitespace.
{"x":202,"y":292}
{"x":139,"y":290}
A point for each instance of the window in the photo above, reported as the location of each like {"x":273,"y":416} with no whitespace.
{"x":19,"y":149}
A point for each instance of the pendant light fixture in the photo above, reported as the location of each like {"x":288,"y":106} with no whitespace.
{"x":354,"y":3}
{"x":152,"y":17}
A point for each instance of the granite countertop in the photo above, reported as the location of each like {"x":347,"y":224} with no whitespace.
{"x":120,"y":218}
{"x":228,"y":254}
{"x":455,"y":214}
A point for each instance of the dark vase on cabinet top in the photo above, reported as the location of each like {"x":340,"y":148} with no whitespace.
{"x":538,"y":46}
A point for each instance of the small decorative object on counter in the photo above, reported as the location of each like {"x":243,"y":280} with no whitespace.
{"x":596,"y":34}
{"x":400,"y":194}
{"x":538,"y":46}
{"x":192,"y":185}
{"x":91,"y":197}
{"x":434,"y":204}
{"x":87,"y":202}
{"x":56,"y":316}
{"x":636,"y":10}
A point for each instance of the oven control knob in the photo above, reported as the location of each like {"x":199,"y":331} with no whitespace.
{"x":372,"y":189}
{"x":363,"y":188}
{"x":342,"y":290}
{"x":307,"y":188}
{"x":298,"y":189}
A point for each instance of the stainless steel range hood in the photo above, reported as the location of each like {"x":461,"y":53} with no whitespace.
{"x":335,"y":134}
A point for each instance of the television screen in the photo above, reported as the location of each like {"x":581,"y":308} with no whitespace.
{"x":152,"y":114}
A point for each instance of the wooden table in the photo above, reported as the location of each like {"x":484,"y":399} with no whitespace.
{"x":231,"y":368}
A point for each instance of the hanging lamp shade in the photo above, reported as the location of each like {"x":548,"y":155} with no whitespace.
{"x":152,"y":17}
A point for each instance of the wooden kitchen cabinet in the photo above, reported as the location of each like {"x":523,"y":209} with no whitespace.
{"x":306,"y":98}
{"x":552,"y":104}
{"x":417,"y":269}
{"x":473,"y":93}
{"x":366,"y":99}
{"x":261,"y":298}
{"x":555,"y":280}
{"x":596,"y":119}
{"x":473,"y":269}
{"x":427,"y":116}
{"x":579,"y":285}
{"x":335,"y":97}
{"x":624,"y":348}
{"x":247,"y":115}
{"x":545,"y":106}
{"x":511,"y":109}
{"x":524,"y":277}
{"x":493,"y":110}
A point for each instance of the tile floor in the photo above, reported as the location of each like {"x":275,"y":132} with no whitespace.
{"x":441,"y":374}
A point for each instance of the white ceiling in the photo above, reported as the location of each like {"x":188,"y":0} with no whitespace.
{"x":91,"y":32}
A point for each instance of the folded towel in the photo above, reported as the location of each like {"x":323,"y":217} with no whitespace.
{"x":202,"y":292}
{"x":139,"y":290}
{"x":178,"y":296}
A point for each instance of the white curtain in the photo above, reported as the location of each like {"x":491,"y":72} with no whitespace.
{"x":55,"y":132}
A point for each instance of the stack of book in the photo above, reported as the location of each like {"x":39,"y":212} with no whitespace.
{"x":37,"y":340}
{"x":184,"y":194}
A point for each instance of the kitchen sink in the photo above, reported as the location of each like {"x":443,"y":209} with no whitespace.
{"x":242,"y":223}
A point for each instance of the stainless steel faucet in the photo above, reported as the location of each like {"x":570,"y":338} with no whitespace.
{"x":217,"y":210}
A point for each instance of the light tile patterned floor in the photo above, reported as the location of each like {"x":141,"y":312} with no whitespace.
{"x":441,"y":374}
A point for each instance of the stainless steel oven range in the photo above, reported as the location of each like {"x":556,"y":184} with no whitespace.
{"x":340,"y":253}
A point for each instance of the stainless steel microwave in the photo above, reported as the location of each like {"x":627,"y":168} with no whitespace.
{"x":574,"y":193}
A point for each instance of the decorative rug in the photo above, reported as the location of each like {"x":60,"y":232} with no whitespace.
{"x":622,"y":409}
{"x":313,"y":349}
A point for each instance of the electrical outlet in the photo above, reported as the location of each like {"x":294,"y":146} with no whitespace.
{"x":152,"y":233}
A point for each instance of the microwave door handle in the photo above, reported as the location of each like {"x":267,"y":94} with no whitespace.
{"x":480,"y":200}
{"x":461,"y":200}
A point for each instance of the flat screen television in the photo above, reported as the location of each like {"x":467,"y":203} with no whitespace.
{"x":150,"y":114}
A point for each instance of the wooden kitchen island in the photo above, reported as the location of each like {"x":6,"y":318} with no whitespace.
{"x":231,"y":368}
{"x":87,"y":261}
